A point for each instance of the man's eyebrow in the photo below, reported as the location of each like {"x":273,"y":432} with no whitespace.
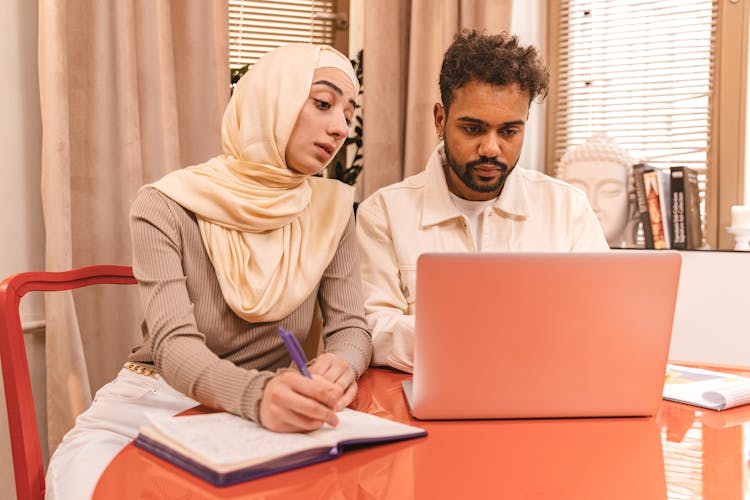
{"x":470,"y":119}
{"x":336,"y":88}
{"x":477,"y":121}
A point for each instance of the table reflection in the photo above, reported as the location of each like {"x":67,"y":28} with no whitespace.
{"x":705,"y":451}
{"x":682,"y":453}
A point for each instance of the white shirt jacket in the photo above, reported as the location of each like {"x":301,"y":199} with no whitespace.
{"x":534,"y":213}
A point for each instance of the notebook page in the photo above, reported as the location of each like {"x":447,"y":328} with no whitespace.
{"x":359,"y":425}
{"x":226,"y":439}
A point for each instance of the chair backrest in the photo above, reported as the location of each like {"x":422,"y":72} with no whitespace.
{"x":24,"y":436}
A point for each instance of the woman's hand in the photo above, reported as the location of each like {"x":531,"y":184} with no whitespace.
{"x":293,"y":403}
{"x":338,"y":371}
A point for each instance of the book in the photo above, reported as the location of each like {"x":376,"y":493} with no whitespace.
{"x":225,"y":449}
{"x":679,"y":240}
{"x":686,"y":211}
{"x":705,"y":388}
{"x":652,"y":188}
{"x":693,"y":209}
{"x":641,"y":204}
{"x":665,"y":204}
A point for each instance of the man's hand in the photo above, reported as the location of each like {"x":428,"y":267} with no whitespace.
{"x":294,"y":403}
{"x":338,"y":371}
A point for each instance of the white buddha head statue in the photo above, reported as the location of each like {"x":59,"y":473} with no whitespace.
{"x":603,"y":171}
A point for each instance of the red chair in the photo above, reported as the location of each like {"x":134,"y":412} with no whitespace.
{"x":24,"y":435}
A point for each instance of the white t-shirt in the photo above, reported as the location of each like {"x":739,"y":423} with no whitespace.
{"x":473,"y":211}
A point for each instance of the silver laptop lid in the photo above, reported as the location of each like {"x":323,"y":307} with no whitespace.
{"x":531,"y":335}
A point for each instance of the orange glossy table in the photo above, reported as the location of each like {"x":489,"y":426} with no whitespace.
{"x":684,"y":452}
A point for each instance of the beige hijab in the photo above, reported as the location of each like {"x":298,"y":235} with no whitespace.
{"x":269,"y":231}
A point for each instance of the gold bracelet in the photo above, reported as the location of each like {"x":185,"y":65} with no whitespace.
{"x":141,"y":369}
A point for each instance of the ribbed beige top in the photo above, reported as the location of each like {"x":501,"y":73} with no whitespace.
{"x":197,"y":343}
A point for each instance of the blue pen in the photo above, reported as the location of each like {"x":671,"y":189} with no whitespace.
{"x":295,"y":350}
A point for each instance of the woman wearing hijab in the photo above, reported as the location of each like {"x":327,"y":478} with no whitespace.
{"x":228,"y":251}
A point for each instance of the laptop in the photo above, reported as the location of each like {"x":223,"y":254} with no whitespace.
{"x":542,"y":335}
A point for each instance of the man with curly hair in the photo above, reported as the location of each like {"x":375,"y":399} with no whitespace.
{"x":470,"y":197}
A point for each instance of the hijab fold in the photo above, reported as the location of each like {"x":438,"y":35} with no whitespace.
{"x":270,"y":232}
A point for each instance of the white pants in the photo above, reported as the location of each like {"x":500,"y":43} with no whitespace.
{"x":119,"y":409}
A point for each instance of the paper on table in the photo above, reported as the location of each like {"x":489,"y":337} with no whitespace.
{"x":730,"y":396}
{"x":706,"y":388}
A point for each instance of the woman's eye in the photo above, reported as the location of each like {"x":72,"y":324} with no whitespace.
{"x":322,"y":104}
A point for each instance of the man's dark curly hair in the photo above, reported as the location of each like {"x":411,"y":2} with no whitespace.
{"x":494,"y":59}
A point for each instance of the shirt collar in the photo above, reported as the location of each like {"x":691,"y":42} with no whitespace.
{"x":514,"y":199}
{"x":438,"y":206}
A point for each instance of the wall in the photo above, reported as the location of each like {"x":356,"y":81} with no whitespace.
{"x":528,"y":22}
{"x":746,"y":199}
{"x":20,"y":141}
{"x":711,"y":319}
{"x":21,"y":224}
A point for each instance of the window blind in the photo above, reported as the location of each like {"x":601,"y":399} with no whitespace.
{"x":256,"y":27}
{"x":642,"y":72}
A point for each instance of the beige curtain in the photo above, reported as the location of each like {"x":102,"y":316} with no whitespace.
{"x":130,"y":89}
{"x":404,"y":43}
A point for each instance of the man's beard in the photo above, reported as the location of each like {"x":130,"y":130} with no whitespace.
{"x":465,"y":173}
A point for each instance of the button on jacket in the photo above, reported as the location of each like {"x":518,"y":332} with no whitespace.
{"x":534,"y":212}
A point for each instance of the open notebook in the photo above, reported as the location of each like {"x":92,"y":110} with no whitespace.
{"x":225,"y":449}
{"x":534,"y":335}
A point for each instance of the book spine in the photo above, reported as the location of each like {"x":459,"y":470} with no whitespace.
{"x":665,"y":203}
{"x":677,"y":186}
{"x":694,"y":231}
{"x":651,"y":185}
{"x":640,"y":198}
